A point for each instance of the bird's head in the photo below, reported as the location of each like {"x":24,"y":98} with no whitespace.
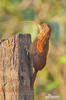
{"x":43,"y":36}
{"x":45,"y":31}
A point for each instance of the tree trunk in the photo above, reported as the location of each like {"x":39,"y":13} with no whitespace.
{"x":16,"y":68}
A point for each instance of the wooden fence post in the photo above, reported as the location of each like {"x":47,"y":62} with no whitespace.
{"x":16,"y":68}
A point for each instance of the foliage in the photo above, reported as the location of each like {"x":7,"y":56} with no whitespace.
{"x":62,"y":59}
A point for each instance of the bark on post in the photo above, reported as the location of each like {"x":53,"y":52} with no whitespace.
{"x":15,"y":68}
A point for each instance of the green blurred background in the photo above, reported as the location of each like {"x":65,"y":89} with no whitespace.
{"x":52,"y":79}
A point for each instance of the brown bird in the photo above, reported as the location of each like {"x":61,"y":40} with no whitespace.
{"x":39,"y":49}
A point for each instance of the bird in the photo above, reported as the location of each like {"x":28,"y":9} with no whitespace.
{"x":39,"y":49}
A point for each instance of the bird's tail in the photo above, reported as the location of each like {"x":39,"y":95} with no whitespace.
{"x":33,"y":79}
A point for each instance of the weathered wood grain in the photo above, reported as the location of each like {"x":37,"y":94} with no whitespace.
{"x":15,"y":68}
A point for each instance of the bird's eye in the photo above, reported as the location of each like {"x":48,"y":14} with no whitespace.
{"x":44,"y":27}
